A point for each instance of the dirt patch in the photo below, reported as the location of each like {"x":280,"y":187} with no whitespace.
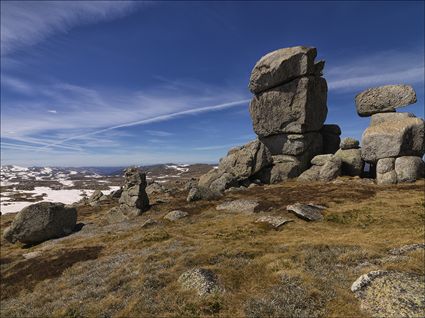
{"x":26,"y":274}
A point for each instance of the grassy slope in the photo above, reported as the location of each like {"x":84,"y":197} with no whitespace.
{"x":304,"y":269}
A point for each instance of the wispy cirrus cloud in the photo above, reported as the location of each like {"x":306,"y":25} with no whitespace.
{"x":380,"y":68}
{"x":81,"y":113}
{"x":25,"y":23}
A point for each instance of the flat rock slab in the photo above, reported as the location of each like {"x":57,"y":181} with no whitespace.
{"x":241,"y":206}
{"x":384,"y":99}
{"x":149,"y":222}
{"x":407,"y":248}
{"x":308,"y":212}
{"x":274,"y":221}
{"x":391,"y":294}
{"x":201,"y":280}
{"x":175,"y":215}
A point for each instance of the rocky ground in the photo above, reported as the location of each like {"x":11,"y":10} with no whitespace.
{"x":21,"y":186}
{"x":230,"y":262}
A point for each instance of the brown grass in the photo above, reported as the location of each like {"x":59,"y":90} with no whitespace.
{"x":304,"y":269}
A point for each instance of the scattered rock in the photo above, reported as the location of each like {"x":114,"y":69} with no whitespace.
{"x":391,"y":294}
{"x":148,"y":223}
{"x":31,"y":255}
{"x":95,"y":196}
{"x":281,"y":66}
{"x":274,"y":221}
{"x":384,"y":99}
{"x":296,"y":107}
{"x":155,"y":187}
{"x":175,"y":215}
{"x":240,"y":206}
{"x":201,"y":280}
{"x":409,"y":168}
{"x":407,"y":248}
{"x":201,"y":193}
{"x":308,"y":212}
{"x":134,"y":200}
{"x":40,"y":222}
{"x":349,"y":143}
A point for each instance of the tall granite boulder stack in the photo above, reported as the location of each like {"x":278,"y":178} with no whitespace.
{"x":288,"y":112}
{"x":394,"y":143}
{"x":134,"y":200}
{"x":289,"y":109}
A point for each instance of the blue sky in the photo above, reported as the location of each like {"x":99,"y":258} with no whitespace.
{"x":121,"y":83}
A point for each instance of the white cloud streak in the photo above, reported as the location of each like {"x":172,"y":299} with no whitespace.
{"x":25,"y":23}
{"x":390,"y":67}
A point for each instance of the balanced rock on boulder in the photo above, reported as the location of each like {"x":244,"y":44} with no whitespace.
{"x":384,"y":99}
{"x":40,"y":222}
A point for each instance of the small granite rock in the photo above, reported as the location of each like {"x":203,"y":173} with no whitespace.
{"x":349,"y":143}
{"x":274,"y":221}
{"x":308,"y":212}
{"x":407,"y":248}
{"x":240,"y":206}
{"x":175,"y":215}
{"x":201,"y":280}
{"x":148,"y":223}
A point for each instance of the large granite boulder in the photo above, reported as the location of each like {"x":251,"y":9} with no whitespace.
{"x":284,"y":167}
{"x":352,"y":163}
{"x":330,"y":136}
{"x":237,"y":167}
{"x":377,"y":119}
{"x":40,"y":222}
{"x":385,"y":173}
{"x":281,"y":66}
{"x":292,"y":108}
{"x":393,"y":136}
{"x":409,"y":168}
{"x":294,"y":144}
{"x":324,"y":168}
{"x":384,"y":99}
{"x":391,"y":294}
